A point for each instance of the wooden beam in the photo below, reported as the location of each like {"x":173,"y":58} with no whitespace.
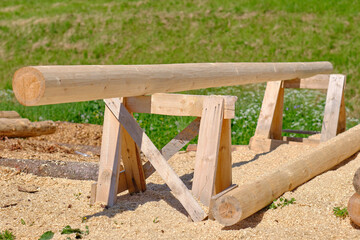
{"x":130,"y":156}
{"x":320,"y":81}
{"x":268,"y":109}
{"x":156,"y":159}
{"x":9,"y":114}
{"x":40,"y":85}
{"x":109,"y":167}
{"x":223,"y":178}
{"x":176,"y":104}
{"x":333,"y":103}
{"x":300,"y":131}
{"x":208,"y":149}
{"x":177,"y":143}
{"x":250,"y":198}
{"x":22,"y":127}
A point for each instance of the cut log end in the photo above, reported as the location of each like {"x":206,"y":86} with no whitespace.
{"x":28,"y":85}
{"x":227,"y":210}
{"x":354,"y":208}
{"x":356,"y":181}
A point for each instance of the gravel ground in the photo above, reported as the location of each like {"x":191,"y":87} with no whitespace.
{"x":156,"y":214}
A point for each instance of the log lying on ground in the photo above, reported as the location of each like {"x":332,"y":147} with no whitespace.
{"x":60,"y":169}
{"x":40,"y":85}
{"x":22,"y":127}
{"x":9,"y":114}
{"x":245,"y":200}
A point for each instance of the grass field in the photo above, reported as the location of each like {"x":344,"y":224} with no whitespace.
{"x":148,"y":32}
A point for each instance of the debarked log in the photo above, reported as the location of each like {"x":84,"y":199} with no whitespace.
{"x":40,"y":85}
{"x":58,"y":169}
{"x":22,"y":127}
{"x":246,"y":200}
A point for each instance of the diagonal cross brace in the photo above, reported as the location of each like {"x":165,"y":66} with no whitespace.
{"x":156,"y":159}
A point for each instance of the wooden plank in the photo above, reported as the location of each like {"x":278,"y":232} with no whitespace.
{"x":109,"y":166}
{"x":40,"y":85}
{"x":342,"y":117}
{"x":156,"y":159}
{"x":176,"y":104}
{"x":208,"y":149}
{"x":177,"y":143}
{"x":193,"y":147}
{"x":332,"y":106}
{"x":320,"y":81}
{"x":93,"y":193}
{"x":122,"y":186}
{"x":130,"y":156}
{"x":277,"y":122}
{"x":224,"y":167}
{"x":9,"y":114}
{"x":268,"y":108}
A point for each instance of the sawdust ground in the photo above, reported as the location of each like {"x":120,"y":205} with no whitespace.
{"x":156,"y":213}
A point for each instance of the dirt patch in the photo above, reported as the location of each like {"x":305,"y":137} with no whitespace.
{"x":155,"y":214}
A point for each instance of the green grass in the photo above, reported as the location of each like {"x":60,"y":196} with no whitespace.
{"x":149,"y":32}
{"x":340,"y":212}
{"x":6,"y":235}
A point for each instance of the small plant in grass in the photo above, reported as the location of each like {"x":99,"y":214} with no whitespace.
{"x":156,"y":220}
{"x":6,"y":235}
{"x":77,"y":195}
{"x":22,"y":221}
{"x":340,"y":212}
{"x":281,"y":202}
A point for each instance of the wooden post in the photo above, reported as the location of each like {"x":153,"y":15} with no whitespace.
{"x":109,"y":167}
{"x":334,"y":108}
{"x":245,"y":200}
{"x":208,"y":149}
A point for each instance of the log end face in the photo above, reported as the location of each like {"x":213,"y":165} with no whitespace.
{"x":354,"y":208}
{"x":28,"y":86}
{"x":227,"y":211}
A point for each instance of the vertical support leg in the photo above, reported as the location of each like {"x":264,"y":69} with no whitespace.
{"x":342,"y":118}
{"x":270,"y":122}
{"x":109,"y":167}
{"x":130,"y":155}
{"x":224,"y":169}
{"x":332,"y":113}
{"x":208,"y":149}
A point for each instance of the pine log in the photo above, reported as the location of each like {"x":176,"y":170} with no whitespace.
{"x":250,"y":198}
{"x":356,"y":181}
{"x":59,"y":169}
{"x":22,"y":127}
{"x":354,"y":208}
{"x":40,"y":85}
{"x":9,"y":114}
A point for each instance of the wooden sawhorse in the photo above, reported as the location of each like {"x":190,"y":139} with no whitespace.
{"x":123,"y":138}
{"x":268,"y":134}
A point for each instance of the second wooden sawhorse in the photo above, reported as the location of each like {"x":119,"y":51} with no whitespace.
{"x":120,"y":164}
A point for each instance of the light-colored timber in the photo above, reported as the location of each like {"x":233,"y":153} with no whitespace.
{"x":334,"y":103}
{"x":354,"y":208}
{"x":206,"y":160}
{"x":9,"y":114}
{"x":320,"y":81}
{"x":356,"y":181}
{"x":40,"y":85}
{"x":250,"y":198}
{"x":144,"y":143}
{"x":22,"y":127}
{"x":176,"y":104}
{"x":109,"y":167}
{"x":224,"y":167}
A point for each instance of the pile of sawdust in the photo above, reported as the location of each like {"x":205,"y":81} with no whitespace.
{"x":157,"y":214}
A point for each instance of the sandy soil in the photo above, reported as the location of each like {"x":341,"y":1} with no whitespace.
{"x":156,"y":213}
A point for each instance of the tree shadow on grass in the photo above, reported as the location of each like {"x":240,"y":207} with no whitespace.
{"x":154,"y":193}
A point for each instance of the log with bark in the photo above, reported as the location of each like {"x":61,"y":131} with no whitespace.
{"x":9,"y":114}
{"x":22,"y":127}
